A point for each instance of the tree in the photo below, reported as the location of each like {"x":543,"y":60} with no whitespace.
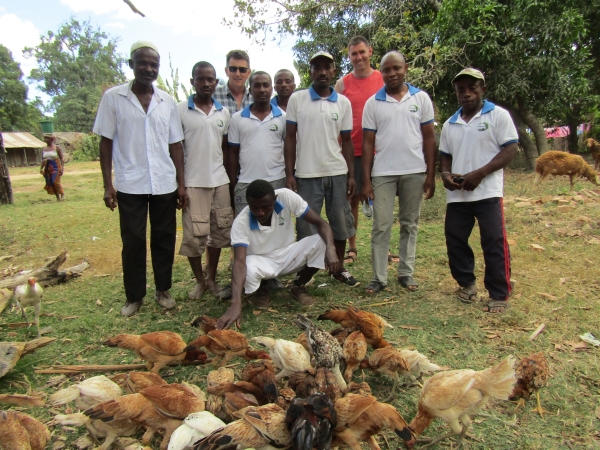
{"x":76,"y":65}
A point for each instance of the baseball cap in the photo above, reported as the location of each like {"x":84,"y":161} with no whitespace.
{"x":318,"y":54}
{"x":471,"y":72}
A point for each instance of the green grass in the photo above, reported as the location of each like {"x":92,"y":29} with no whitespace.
{"x":450,"y":333}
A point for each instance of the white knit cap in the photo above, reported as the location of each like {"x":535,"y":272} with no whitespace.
{"x":143,"y":44}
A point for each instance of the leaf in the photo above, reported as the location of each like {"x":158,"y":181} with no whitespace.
{"x":548,"y":296}
{"x":257,"y":312}
{"x":537,"y":248}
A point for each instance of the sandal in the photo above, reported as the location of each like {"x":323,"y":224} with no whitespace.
{"x":349,"y":258}
{"x":374,"y":287}
{"x":500,"y":305}
{"x":408,"y":283}
{"x":225,"y":293}
{"x":467,"y":294}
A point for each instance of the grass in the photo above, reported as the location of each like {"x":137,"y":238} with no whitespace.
{"x":450,"y":333}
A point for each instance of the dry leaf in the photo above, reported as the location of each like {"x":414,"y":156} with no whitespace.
{"x":577,"y":346}
{"x":573,"y":233}
{"x":98,"y":303}
{"x":492,"y":336}
{"x":548,"y":296}
{"x":537,"y":248}
{"x":511,"y":242}
{"x":272,"y":310}
{"x":410,"y":327}
{"x":562,"y":280}
{"x":257,"y":312}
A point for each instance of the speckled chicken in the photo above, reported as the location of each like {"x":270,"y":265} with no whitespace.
{"x":226,"y":344}
{"x":262,"y":375}
{"x":216,"y":403}
{"x":311,"y":422}
{"x":355,"y":350}
{"x":388,"y":361}
{"x":20,"y":431}
{"x":288,"y":356}
{"x":532,"y":375}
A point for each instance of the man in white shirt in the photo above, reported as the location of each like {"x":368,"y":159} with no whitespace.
{"x":262,"y":238}
{"x":207,"y":219}
{"x":316,"y":118}
{"x":476,"y":144}
{"x":140,"y":131}
{"x":398,"y":121}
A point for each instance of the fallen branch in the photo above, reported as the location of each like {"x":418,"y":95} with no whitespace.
{"x":23,"y":400}
{"x":11,"y":352}
{"x":106,"y":368}
{"x":537,"y":332}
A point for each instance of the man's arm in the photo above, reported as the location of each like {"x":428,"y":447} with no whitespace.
{"x":446,"y":167}
{"x":238,"y":279}
{"x":331,"y":260}
{"x":368,"y":152}
{"x":500,"y":161}
{"x":110,"y":194}
{"x":429,"y":152}
{"x":348,"y":153}
{"x":289,"y":153}
{"x":176,"y":152}
{"x":339,"y":86}
{"x":233,"y":167}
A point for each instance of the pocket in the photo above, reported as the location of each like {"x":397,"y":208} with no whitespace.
{"x":224,"y":217}
{"x":201,"y":224}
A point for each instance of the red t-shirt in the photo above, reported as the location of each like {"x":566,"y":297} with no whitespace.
{"x":358,"y":91}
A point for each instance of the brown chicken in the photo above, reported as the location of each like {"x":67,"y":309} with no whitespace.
{"x":215,"y":404}
{"x":302,"y":339}
{"x":532,"y":374}
{"x":454,"y":395}
{"x":341,"y":334}
{"x":226,"y":344}
{"x":262,"y":374}
{"x":259,"y":426}
{"x":346,"y":320}
{"x":134,"y":382}
{"x":285,"y":397}
{"x":327,"y":383}
{"x":360,"y":418}
{"x":388,"y":361}
{"x":355,"y":350}
{"x":361,"y":388}
{"x":238,"y":395}
{"x":158,"y":348}
{"x":205,"y":323}
{"x":303,"y":383}
{"x":370,"y":325}
{"x":20,"y":431}
{"x":311,"y":421}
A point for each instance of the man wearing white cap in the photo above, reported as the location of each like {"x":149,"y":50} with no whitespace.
{"x":140,"y":132}
{"x":477,"y":142}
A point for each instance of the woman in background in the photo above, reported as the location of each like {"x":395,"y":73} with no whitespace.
{"x":52,"y":167}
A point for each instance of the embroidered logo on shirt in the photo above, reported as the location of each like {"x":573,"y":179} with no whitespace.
{"x":238,"y":199}
{"x":273,"y":127}
{"x":413,"y":108}
{"x":220,"y":123}
{"x":483,"y":126}
{"x":281,"y":221}
{"x":334,"y":116}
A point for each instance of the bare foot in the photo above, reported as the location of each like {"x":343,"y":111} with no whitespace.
{"x":198,"y":291}
{"x":213,"y":286}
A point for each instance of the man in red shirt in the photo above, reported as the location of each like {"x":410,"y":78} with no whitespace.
{"x":359,"y":85}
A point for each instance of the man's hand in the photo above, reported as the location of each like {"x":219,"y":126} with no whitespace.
{"x":448,"y":183}
{"x":472,"y":180}
{"x":290,"y":183}
{"x":231,"y":316}
{"x":110,"y":198}
{"x":367,"y":192}
{"x":429,"y":187}
{"x":332,"y":263}
{"x":351,"y":188}
{"x":182,"y":198}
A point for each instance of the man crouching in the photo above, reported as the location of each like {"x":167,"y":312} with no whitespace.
{"x":262,"y":237}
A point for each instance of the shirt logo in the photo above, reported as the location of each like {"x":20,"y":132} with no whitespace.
{"x":483,"y":126}
{"x":273,"y":127}
{"x":334,"y":116}
{"x":281,"y":221}
{"x":413,"y":108}
{"x":220,"y":123}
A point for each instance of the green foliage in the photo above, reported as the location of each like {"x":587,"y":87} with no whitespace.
{"x":172,"y":87}
{"x":75,"y":66}
{"x":87,"y":148}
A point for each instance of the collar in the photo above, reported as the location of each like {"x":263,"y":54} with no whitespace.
{"x":125,"y":89}
{"x":333,"y":96}
{"x":246,"y":91}
{"x":382,"y":94}
{"x":254,"y":225}
{"x":274,"y":101}
{"x":274,"y":110}
{"x":487,"y":107}
{"x":192,"y":105}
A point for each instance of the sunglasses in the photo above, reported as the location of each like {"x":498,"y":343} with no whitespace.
{"x":235,"y":69}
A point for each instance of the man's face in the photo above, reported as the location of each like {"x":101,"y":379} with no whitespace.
{"x":393,"y":70}
{"x":360,"y":55}
{"x":234,"y":70}
{"x":145,"y":64}
{"x":261,"y":88}
{"x":284,"y":84}
{"x":322,"y":71}
{"x":262,"y":208}
{"x":204,"y":81}
{"x":469,"y":92}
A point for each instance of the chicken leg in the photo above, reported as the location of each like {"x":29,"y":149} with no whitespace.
{"x":432,"y":441}
{"x":539,"y":409}
{"x":391,"y":396}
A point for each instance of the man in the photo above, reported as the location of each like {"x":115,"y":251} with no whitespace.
{"x":359,"y":85}
{"x":207,"y":219}
{"x":262,"y":237}
{"x":398,"y":121}
{"x":140,"y":131}
{"x":477,"y":142}
{"x":284,"y":86}
{"x":233,"y":95}
{"x":316,"y":119}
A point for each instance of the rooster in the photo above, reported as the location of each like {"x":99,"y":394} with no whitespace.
{"x":30,"y":294}
{"x":311,"y":422}
{"x":532,"y":374}
{"x":20,"y":431}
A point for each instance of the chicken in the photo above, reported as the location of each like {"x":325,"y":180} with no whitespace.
{"x":259,"y":427}
{"x":302,"y":339}
{"x":370,"y":325}
{"x":328,"y":352}
{"x":388,"y":361}
{"x":134,"y":382}
{"x":556,"y":162}
{"x":311,"y":422}
{"x":303,"y":383}
{"x":195,"y":427}
{"x":594,"y":148}
{"x":205,"y":323}
{"x":285,"y":397}
{"x":215,"y":403}
{"x":454,"y":395}
{"x":288,"y":356}
{"x":327,"y":383}
{"x":361,"y":388}
{"x":237,"y":395}
{"x":226,"y":344}
{"x":341,"y":334}
{"x":360,"y":418}
{"x":158,"y":348}
{"x":30,"y":294}
{"x":418,"y":363}
{"x":262,"y":375}
{"x":88,"y":393}
{"x":346,"y":320}
{"x":355,"y":349}
{"x":20,"y":431}
{"x":532,"y":374}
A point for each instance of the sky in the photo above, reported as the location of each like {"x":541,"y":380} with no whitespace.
{"x":188,"y":30}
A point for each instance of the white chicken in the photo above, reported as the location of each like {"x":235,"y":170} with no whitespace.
{"x":195,"y":427}
{"x":289,"y":356}
{"x":418,"y":363}
{"x":30,"y":294}
{"x":88,"y":393}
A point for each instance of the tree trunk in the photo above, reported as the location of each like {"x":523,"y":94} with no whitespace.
{"x":536,"y":127}
{"x":6,"y":195}
{"x":529,"y":148}
{"x":573,"y":139}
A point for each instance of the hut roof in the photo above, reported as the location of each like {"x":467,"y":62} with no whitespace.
{"x":21,"y":140}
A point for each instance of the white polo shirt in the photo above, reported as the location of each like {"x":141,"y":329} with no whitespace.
{"x":202,"y":145}
{"x":246,"y":231}
{"x":320,"y":121}
{"x":399,"y":140}
{"x":140,"y":153}
{"x":261,"y":144}
{"x":472,"y":145}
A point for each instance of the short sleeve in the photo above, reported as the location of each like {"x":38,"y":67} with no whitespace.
{"x":368,"y":118}
{"x":444,"y":147}
{"x":290,"y":199}
{"x":291,"y":113}
{"x":227,"y":115}
{"x":239,"y":230}
{"x":106,"y":118}
{"x":175,"y":126}
{"x":346,"y":116}
{"x":505,"y":131}
{"x":233,"y":136}
{"x":427,"y":113}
